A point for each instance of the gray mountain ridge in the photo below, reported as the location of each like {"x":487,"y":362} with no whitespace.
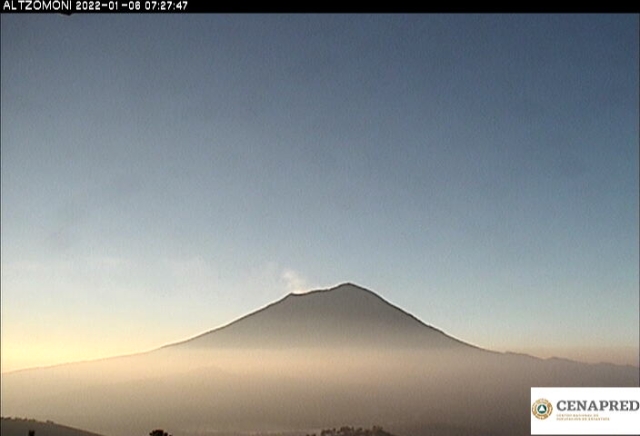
{"x":346,"y":315}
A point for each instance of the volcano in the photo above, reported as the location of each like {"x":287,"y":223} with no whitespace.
{"x":328,"y":358}
{"x":345,"y":316}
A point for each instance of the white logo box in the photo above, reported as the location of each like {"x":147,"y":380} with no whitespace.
{"x":589,"y":411}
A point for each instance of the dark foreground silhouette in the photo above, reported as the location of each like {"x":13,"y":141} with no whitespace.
{"x":352,"y":431}
{"x":32,"y":427}
{"x":24,"y":427}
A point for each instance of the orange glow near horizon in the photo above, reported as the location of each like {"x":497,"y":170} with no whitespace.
{"x":16,"y":356}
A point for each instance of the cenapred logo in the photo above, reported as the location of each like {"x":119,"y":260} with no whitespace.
{"x":592,"y":411}
{"x":541,"y":408}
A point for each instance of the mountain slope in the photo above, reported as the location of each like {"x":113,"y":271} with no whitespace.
{"x":344,"y":316}
{"x":21,"y":427}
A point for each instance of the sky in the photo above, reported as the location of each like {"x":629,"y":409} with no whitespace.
{"x":163,"y":175}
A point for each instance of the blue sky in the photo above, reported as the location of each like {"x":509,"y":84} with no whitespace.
{"x":163,"y":175}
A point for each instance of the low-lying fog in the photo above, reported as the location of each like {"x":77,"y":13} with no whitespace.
{"x":187,"y":389}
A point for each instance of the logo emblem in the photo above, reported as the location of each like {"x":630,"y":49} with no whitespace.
{"x":542,"y":409}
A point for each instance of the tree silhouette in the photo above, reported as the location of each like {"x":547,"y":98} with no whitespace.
{"x":159,"y":432}
{"x":376,"y":430}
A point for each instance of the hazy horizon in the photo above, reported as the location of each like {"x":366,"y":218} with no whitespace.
{"x":324,"y":359}
{"x":164,"y":175}
{"x":576,"y":354}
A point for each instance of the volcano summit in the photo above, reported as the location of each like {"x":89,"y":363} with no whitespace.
{"x":345,"y":316}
